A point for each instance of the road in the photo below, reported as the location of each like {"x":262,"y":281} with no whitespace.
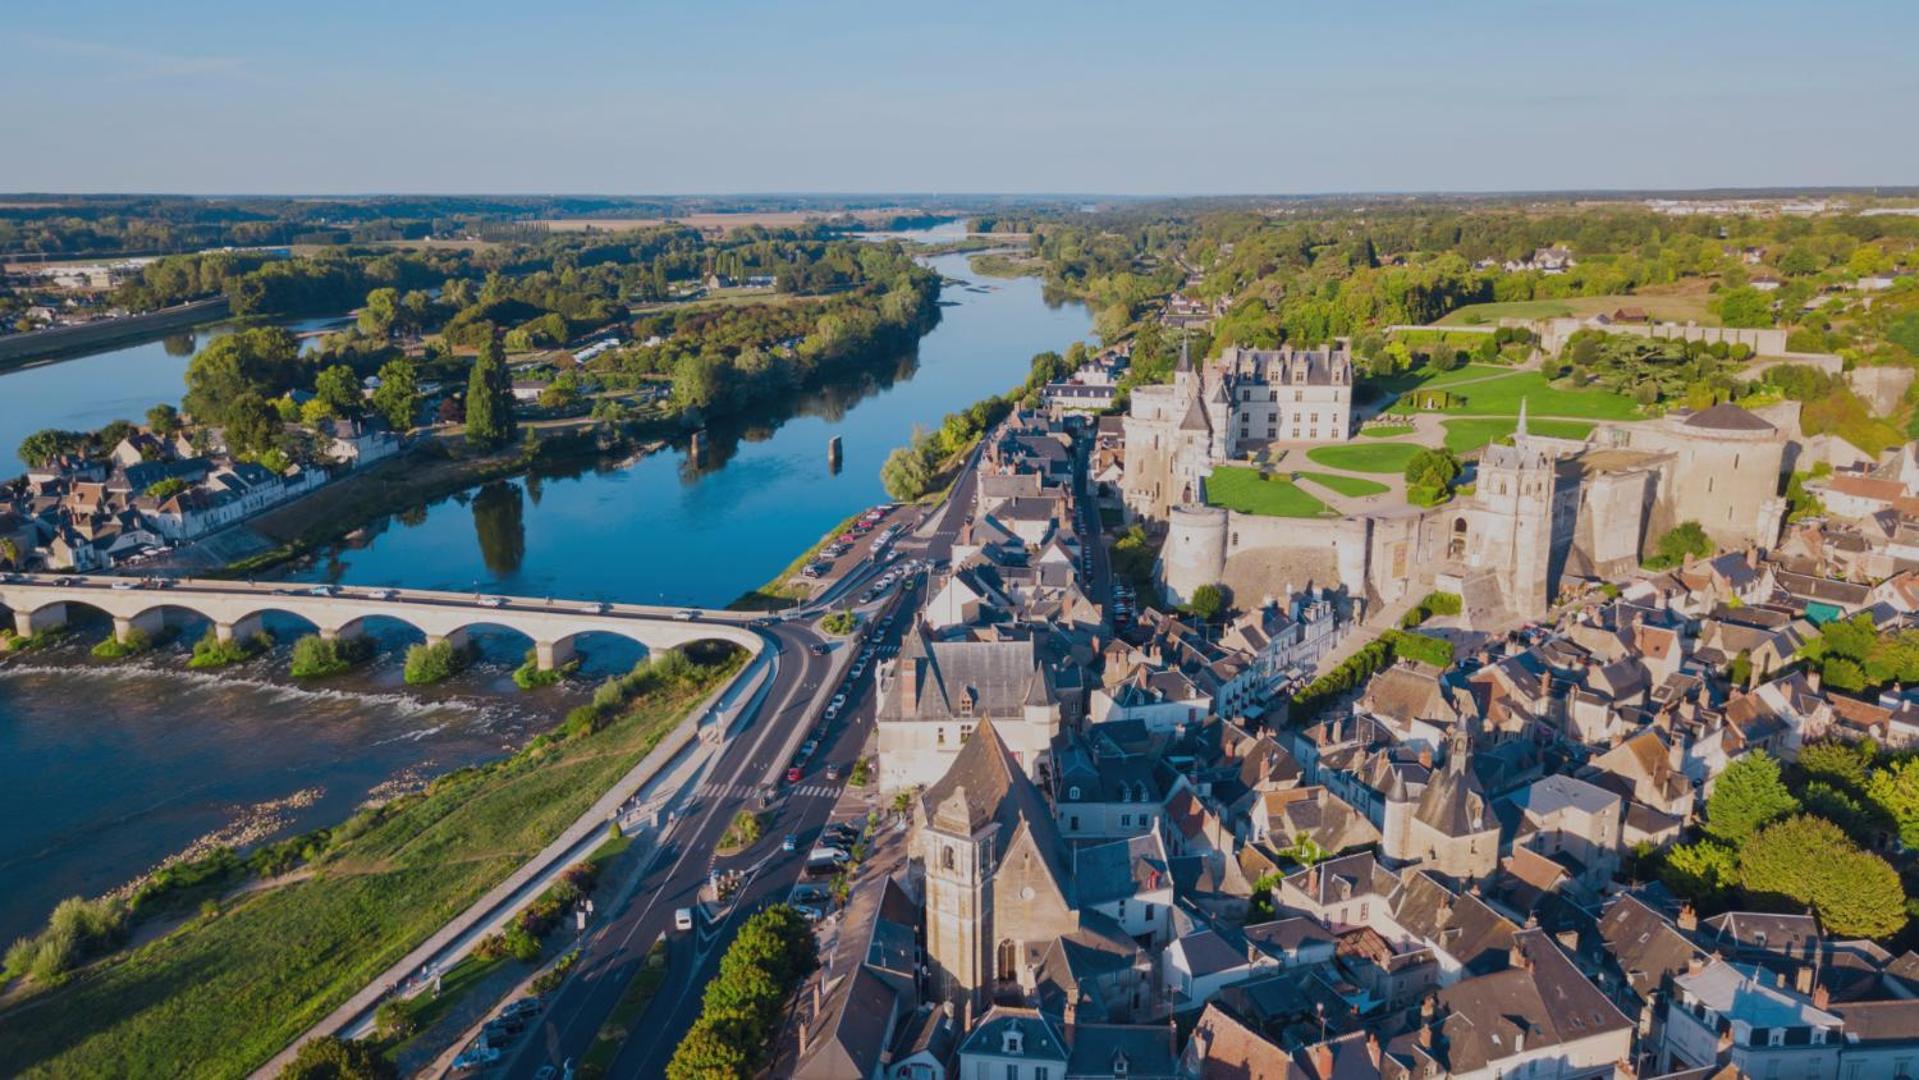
{"x":752,"y":758}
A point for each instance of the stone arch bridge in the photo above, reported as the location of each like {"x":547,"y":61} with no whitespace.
{"x":40,"y":602}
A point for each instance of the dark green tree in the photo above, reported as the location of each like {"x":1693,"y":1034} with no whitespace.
{"x":489,"y":398}
{"x":1746,"y":796}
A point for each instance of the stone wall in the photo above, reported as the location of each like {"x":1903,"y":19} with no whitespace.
{"x":1553,"y":333}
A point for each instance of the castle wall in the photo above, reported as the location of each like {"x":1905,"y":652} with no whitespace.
{"x":1553,"y":333}
{"x":1258,"y":556}
{"x":1615,"y":512}
{"x":1728,"y":481}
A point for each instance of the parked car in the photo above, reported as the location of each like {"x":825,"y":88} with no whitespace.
{"x":793,"y":774}
{"x":828,"y":853}
{"x":808,"y":912}
{"x":523,"y":1007}
{"x":683,"y":919}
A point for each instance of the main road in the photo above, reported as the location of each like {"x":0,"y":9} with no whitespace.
{"x":752,"y":759}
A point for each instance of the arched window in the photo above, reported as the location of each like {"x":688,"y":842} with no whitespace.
{"x":947,"y":860}
{"x":1008,"y":961}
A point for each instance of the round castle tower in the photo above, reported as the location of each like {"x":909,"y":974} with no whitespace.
{"x":1195,"y":550}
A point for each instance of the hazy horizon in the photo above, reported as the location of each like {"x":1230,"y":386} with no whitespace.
{"x":1125,"y":99}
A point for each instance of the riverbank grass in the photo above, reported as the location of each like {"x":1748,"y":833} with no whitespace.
{"x":529,"y":675}
{"x":427,"y":664}
{"x":111,"y":648}
{"x":228,"y":993}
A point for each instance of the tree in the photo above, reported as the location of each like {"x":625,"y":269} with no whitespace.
{"x":330,"y":1057}
{"x":489,"y":398}
{"x":709,"y":1052}
{"x":397,"y":398}
{"x":905,"y":473}
{"x":1207,"y":602}
{"x":340,"y":389}
{"x":1809,"y":860}
{"x":265,"y":361}
{"x":163,"y":419}
{"x":251,"y":423}
{"x":1894,"y":790}
{"x":1745,"y":306}
{"x":1700,"y":872}
{"x":381,"y":312}
{"x":1746,"y":796}
{"x":1430,"y":475}
{"x":1683,"y":539}
{"x":1837,"y":762}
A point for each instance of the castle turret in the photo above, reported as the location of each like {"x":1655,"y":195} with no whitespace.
{"x":1195,"y":550}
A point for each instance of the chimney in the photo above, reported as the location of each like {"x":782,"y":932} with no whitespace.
{"x":909,"y":675}
{"x":1821,"y":997}
{"x":1688,"y":918}
{"x":1372,"y":1047}
{"x":1323,"y":1061}
{"x":1312,"y":881}
{"x":1516,"y":958}
{"x":1802,"y":979}
{"x":1426,"y":757}
{"x":1812,"y":679}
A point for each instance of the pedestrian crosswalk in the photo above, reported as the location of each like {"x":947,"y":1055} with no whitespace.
{"x":741,"y":791}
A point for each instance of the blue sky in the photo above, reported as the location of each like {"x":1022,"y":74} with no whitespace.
{"x":1279,"y":96}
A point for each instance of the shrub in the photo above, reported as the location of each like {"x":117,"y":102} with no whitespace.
{"x":211,"y":652}
{"x":840,"y":623}
{"x":330,"y":1057}
{"x":112,"y":648}
{"x":393,"y":1020}
{"x":316,"y":657}
{"x":431,"y":663}
{"x":530,"y":676}
{"x":1427,"y":650}
{"x":1683,"y":539}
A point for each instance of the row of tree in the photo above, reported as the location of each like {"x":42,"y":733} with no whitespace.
{"x":740,"y":1012}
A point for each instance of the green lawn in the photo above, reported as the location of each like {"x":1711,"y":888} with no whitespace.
{"x":1388,"y":431}
{"x":1463,"y":436}
{"x":1385,"y":457}
{"x":1501,"y":397}
{"x":221,"y":995}
{"x":1251,"y":492}
{"x":1347,"y":485}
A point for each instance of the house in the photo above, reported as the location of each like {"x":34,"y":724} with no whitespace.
{"x":1723,"y":1012}
{"x":1012,"y":1043}
{"x":1537,"y":1017}
{"x":1574,"y":823}
{"x":1199,"y":965}
{"x":358,"y":443}
{"x":1222,"y":1046}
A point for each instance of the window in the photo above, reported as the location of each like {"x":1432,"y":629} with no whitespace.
{"x":1072,"y":823}
{"x":1073,"y":792}
{"x":1039,"y":1072}
{"x":1012,"y":1072}
{"x":1126,"y":821}
{"x":946,"y":858}
{"x":942,"y":736}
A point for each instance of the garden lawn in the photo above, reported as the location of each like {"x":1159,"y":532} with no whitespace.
{"x":1388,"y":431}
{"x":1389,"y":457}
{"x":220,"y":996}
{"x":1501,"y":397}
{"x":1251,"y":492}
{"x":1347,"y":485}
{"x":1464,"y":436}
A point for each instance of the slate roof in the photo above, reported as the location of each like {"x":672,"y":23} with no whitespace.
{"x":1547,"y":1001}
{"x":1646,"y":947}
{"x":1726,"y":416}
{"x":1222,"y":1047}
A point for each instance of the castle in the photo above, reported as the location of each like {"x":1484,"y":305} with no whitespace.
{"x":1242,"y":402}
{"x":1539,"y":511}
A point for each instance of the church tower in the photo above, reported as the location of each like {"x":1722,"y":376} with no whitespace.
{"x":956,"y":854}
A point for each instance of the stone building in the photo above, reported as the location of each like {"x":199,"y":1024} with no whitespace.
{"x":936,"y":693}
{"x":1240,"y":403}
{"x":996,"y":886}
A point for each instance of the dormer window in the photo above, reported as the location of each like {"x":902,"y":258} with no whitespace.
{"x":966,"y":702}
{"x":1120,"y":1064}
{"x":1073,"y":792}
{"x":1012,"y":1042}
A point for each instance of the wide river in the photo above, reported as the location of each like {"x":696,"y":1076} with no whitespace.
{"x":105,"y":771}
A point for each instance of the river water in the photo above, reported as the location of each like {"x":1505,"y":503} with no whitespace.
{"x":106,"y":770}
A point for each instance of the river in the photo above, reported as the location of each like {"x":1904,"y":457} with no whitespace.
{"x":105,"y":771}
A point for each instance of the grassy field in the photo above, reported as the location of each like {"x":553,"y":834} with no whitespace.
{"x":1463,"y":436}
{"x":1347,"y":485}
{"x":1501,"y":397}
{"x":1251,"y":492}
{"x":1386,"y":457}
{"x":1388,"y":431}
{"x":1686,"y":306}
{"x":222,"y":994}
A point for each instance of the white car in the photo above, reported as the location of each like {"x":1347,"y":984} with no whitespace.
{"x":124,"y":585}
{"x":686,"y":615}
{"x":381,"y":594}
{"x":492,"y":601}
{"x":597,"y":607}
{"x":683,"y":919}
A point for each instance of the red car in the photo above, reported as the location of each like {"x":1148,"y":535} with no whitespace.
{"x":793,"y":774}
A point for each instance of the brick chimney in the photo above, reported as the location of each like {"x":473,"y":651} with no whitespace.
{"x":1323,"y":1061}
{"x":1821,"y":997}
{"x":1688,"y":918}
{"x":1425,"y":757}
{"x":909,"y":676}
{"x":1802,"y":979}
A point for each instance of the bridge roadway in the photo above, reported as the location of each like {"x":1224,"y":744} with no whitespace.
{"x":40,"y":602}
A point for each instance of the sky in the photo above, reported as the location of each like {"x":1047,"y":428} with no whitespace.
{"x":1042,"y":96}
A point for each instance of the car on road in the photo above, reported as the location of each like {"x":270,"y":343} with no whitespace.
{"x":686,"y":615}
{"x":475,"y":1056}
{"x":381,"y":594}
{"x":858,"y":669}
{"x":818,"y":648}
{"x":324,"y":590}
{"x":790,"y":843}
{"x":491,"y":601}
{"x":683,"y":919}
{"x":524,"y":1007}
{"x":793,"y":774}
{"x":832,"y":713}
{"x":597,"y":607}
{"x":808,"y":912}
{"x":833,"y":771}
